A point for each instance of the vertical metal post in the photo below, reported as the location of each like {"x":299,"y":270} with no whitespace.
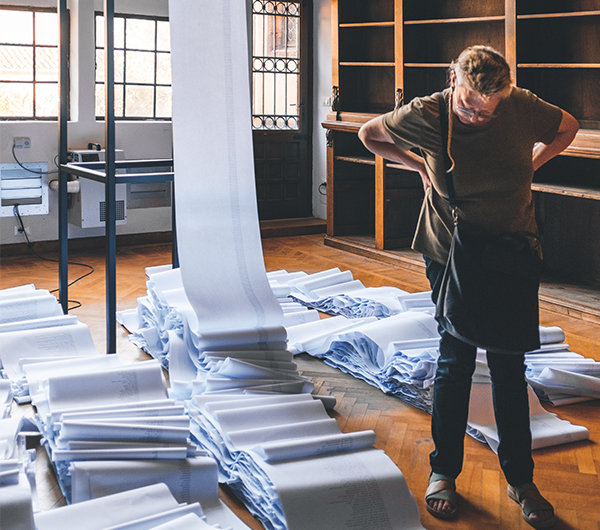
{"x":110,"y":193}
{"x":63,"y":198}
{"x":174,"y":251}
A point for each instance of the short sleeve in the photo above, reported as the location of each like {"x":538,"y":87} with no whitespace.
{"x":415,"y":124}
{"x":546,"y":117}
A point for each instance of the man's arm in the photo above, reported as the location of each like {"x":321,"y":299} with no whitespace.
{"x":377,"y":140}
{"x":566,"y":133}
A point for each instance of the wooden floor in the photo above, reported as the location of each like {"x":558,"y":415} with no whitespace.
{"x":567,"y":475}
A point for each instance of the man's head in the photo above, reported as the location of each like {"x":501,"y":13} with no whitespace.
{"x":480,"y":78}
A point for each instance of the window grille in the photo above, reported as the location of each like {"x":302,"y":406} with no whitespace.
{"x":142,"y":62}
{"x":29,"y":63}
{"x":275,"y":65}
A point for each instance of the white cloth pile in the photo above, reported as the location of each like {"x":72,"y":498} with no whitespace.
{"x":17,"y":477}
{"x":151,"y":507}
{"x":336,"y":292}
{"x":6,"y":397}
{"x":397,"y":354}
{"x":560,"y":376}
{"x":166,"y":311}
{"x":33,"y":329}
{"x":294,"y":468}
{"x":546,"y":428}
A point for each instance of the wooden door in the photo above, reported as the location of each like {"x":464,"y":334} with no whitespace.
{"x":281,"y":107}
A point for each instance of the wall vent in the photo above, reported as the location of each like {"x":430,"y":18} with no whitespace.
{"x":27,"y":189}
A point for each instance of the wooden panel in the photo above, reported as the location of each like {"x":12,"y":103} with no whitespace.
{"x":371,"y":11}
{"x":366,"y":44}
{"x":442,"y":43}
{"x":444,"y":9}
{"x":367,"y":89}
{"x":380,"y":175}
{"x":335,"y":45}
{"x":556,"y":6}
{"x":559,"y":40}
{"x":510,"y":36}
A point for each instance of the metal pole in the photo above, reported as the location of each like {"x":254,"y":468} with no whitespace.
{"x":110,"y":193}
{"x":63,"y":197}
{"x":174,"y":250}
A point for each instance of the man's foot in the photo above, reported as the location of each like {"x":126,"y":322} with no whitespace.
{"x":441,"y":499}
{"x":536,"y":510}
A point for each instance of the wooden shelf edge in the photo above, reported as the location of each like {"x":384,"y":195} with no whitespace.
{"x":365,"y":160}
{"x":370,"y":64}
{"x":567,"y":191}
{"x":347,"y":121}
{"x":496,"y":18}
{"x":586,"y":144}
{"x":426,"y":65}
{"x":410,"y":260}
{"x":578,"y":66}
{"x":572,"y":14}
{"x":383,"y":24}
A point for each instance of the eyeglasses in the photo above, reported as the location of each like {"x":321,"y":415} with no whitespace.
{"x":474,"y":114}
{"x":471,"y":113}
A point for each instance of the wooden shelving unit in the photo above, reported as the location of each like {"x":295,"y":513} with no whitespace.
{"x":387,"y":51}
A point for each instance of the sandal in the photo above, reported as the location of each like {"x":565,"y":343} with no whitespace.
{"x":441,"y":488}
{"x":532,"y":505}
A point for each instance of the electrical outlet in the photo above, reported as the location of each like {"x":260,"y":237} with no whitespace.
{"x":22,"y":142}
{"x":18,"y":231}
{"x":327,"y":102}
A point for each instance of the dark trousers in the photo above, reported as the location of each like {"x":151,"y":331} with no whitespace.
{"x":451,"y":403}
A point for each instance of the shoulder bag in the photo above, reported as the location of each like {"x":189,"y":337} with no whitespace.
{"x":489,"y":291}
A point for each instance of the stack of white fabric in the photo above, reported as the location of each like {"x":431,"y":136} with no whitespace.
{"x":546,"y":428}
{"x":336,"y":292}
{"x":166,"y":312}
{"x":294,"y":468}
{"x":151,"y":507}
{"x":17,"y":477}
{"x":33,"y":329}
{"x":560,"y":376}
{"x":106,"y":410}
{"x":6,"y":397}
{"x":397,"y":354}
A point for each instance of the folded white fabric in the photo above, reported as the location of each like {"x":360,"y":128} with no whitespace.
{"x":284,"y":453}
{"x":148,"y":507}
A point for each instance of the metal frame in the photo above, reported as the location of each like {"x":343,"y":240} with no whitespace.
{"x":99,"y":171}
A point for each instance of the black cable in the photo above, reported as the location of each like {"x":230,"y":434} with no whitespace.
{"x":31,"y":170}
{"x":30,"y":246}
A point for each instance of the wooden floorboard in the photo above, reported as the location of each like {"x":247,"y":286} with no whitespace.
{"x":568,"y":474}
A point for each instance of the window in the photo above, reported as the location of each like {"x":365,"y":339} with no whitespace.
{"x":29,"y":64}
{"x":142,"y":67}
{"x":275,"y":65}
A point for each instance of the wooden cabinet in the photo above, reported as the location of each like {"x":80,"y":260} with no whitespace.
{"x":389,"y":51}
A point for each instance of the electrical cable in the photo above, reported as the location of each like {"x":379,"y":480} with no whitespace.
{"x":30,"y":247}
{"x":31,"y":170}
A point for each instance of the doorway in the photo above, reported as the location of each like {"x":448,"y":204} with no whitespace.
{"x":282,"y":107}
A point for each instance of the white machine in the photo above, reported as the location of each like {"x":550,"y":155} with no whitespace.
{"x":88,"y":207}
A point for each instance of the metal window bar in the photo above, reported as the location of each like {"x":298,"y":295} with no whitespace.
{"x":123,"y":86}
{"x":104,"y":172}
{"x":34,"y":49}
{"x":275,"y":59}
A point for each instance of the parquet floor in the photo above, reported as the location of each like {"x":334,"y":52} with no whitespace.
{"x":567,"y":475}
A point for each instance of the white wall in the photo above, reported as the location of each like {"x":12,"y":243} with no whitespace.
{"x":322,"y":90}
{"x":139,"y":140}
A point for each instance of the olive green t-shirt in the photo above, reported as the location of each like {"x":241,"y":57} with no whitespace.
{"x":493,"y":166}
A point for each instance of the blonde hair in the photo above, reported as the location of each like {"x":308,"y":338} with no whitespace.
{"x":484,"y":70}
